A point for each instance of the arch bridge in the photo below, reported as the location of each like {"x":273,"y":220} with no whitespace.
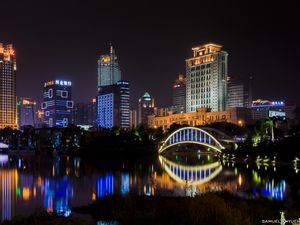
{"x":195,"y":175}
{"x":191,"y":135}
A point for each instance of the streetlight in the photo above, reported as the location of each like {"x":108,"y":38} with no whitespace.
{"x":240,"y":122}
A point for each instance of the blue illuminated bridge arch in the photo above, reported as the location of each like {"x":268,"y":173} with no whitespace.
{"x":191,"y":135}
{"x":193,"y":175}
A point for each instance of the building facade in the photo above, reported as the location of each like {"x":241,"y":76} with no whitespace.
{"x":113,"y":107}
{"x":133,"y":118}
{"x":8,"y":98}
{"x":145,"y":108}
{"x":264,"y":109}
{"x":239,"y":92}
{"x":201,"y":117}
{"x":57,"y":103}
{"x":109,"y":72}
{"x":179,"y":94}
{"x":85,"y":113}
{"x":27,"y":112}
{"x":206,"y":76}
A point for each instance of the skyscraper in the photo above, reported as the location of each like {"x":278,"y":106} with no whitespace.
{"x":145,"y":108}
{"x":239,"y":92}
{"x":27,"y":112}
{"x":78,"y":113}
{"x":109,"y":72}
{"x":85,"y":113}
{"x":206,"y":76}
{"x":57,"y":103}
{"x":8,"y":98}
{"x":113,"y":106}
{"x":179,"y":94}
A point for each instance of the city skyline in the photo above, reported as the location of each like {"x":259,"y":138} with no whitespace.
{"x":152,"y":44}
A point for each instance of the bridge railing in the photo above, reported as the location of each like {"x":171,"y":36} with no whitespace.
{"x":191,"y":135}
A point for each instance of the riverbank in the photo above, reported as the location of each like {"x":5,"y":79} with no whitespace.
{"x":209,"y":208}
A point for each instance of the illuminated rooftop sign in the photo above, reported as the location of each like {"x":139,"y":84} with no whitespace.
{"x":265,"y":103}
{"x":63,"y":82}
{"x":58,"y":82}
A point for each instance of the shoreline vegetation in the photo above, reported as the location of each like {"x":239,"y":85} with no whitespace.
{"x":209,"y":208}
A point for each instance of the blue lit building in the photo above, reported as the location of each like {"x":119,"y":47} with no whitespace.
{"x":57,"y":103}
{"x":113,"y":106}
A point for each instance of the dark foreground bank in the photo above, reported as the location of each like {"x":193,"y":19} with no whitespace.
{"x":211,"y":208}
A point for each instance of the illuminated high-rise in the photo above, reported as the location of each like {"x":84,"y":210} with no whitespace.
{"x":8,"y":98}
{"x":239,"y":92}
{"x":109,"y":72}
{"x":57,"y":103}
{"x":113,"y":106}
{"x":206,"y":76}
{"x":145,"y":108}
{"x":179,"y":94}
{"x":27,"y":112}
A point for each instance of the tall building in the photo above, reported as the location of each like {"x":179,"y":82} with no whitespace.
{"x":145,"y":108}
{"x":57,"y":103}
{"x":91,"y":113}
{"x":113,"y":106}
{"x":133,"y":118}
{"x":78,"y":113}
{"x":179,"y":94}
{"x":85,"y":113}
{"x":206,"y":76}
{"x":109,"y":72}
{"x":8,"y":98}
{"x":27,"y":112}
{"x":239,"y":92}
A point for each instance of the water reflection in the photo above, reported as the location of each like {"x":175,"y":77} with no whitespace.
{"x":105,"y":185}
{"x":59,"y":183}
{"x":193,"y":175}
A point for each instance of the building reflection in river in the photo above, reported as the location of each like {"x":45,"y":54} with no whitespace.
{"x":59,"y":183}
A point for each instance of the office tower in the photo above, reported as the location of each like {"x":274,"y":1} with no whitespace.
{"x":8,"y":98}
{"x":133,"y":118}
{"x":206,"y":76}
{"x":145,"y":108}
{"x":85,"y":113}
{"x":27,"y":112}
{"x":109,"y":72}
{"x":113,"y":106}
{"x":57,"y":103}
{"x":78,"y":113}
{"x":91,"y":112}
{"x":179,"y":94}
{"x":238,"y":92}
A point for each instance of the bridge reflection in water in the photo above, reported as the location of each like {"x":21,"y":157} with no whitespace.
{"x":190,"y":174}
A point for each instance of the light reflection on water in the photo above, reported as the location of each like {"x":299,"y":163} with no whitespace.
{"x":57,"y":184}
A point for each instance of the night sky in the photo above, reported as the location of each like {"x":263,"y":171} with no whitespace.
{"x":63,"y":40}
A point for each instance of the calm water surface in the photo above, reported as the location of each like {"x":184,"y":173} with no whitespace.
{"x":30,"y":182}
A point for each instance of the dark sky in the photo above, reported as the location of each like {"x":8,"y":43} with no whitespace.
{"x":63,"y":39}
